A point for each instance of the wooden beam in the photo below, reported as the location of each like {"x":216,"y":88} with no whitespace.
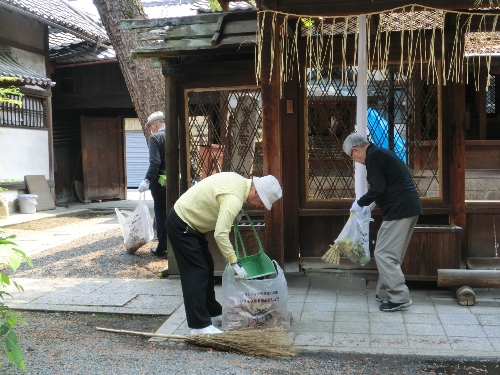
{"x":354,"y":7}
{"x":471,"y":278}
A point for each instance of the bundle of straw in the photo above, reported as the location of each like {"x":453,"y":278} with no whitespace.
{"x":268,"y":342}
{"x":332,"y":256}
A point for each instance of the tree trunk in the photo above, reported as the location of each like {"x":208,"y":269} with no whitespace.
{"x":145,"y":84}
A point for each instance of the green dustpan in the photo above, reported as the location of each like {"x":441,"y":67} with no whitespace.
{"x":256,"y":265}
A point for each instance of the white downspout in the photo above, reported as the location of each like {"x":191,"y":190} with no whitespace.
{"x":360,"y":183}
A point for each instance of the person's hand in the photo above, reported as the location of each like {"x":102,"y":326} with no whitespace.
{"x":239,"y":271}
{"x":144,"y":186}
{"x":356,"y":207}
{"x":367,"y":209}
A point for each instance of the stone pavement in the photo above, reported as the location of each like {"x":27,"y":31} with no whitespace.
{"x":330,"y":311}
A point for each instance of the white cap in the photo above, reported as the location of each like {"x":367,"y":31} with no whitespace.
{"x":269,"y":189}
{"x":154,"y":117}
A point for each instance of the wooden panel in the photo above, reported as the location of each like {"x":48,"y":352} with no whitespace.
{"x":103,"y":158}
{"x":431,"y":248}
{"x":483,"y":234}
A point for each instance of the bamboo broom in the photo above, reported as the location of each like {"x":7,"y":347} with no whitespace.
{"x":332,"y":256}
{"x":268,"y":342}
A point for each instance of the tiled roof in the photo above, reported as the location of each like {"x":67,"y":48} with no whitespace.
{"x":58,"y":13}
{"x":11,"y":68}
{"x":66,"y":49}
{"x":204,"y":6}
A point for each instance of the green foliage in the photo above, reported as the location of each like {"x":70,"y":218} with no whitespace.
{"x":6,"y":93}
{"x":10,"y":257}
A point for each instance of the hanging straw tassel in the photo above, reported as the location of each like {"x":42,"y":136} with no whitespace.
{"x":332,"y":256}
{"x":269,"y":342}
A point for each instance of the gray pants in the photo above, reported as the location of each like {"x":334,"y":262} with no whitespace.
{"x":392,"y":241}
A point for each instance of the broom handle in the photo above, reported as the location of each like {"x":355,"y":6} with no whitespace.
{"x":178,"y":337}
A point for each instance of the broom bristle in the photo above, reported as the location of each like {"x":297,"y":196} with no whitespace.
{"x":332,"y":256}
{"x":268,"y":342}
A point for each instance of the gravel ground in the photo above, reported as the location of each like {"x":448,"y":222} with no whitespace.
{"x":100,"y":255}
{"x":68,"y":343}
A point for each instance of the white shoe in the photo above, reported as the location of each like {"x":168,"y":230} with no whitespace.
{"x":210,"y":330}
{"x":217,"y":319}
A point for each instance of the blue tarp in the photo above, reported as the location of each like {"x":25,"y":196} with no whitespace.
{"x":378,"y":127}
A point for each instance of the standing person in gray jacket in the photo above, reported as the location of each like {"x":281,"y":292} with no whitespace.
{"x":393,"y":190}
{"x":156,"y":124}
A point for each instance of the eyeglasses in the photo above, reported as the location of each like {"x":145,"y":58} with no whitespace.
{"x":352,"y":150}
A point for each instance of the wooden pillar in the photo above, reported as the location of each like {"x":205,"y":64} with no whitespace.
{"x":172,"y":148}
{"x":453,"y":117}
{"x":290,"y":182}
{"x":272,"y":139}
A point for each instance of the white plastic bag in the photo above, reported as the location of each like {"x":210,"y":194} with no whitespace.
{"x":254,"y":303}
{"x":137,"y":227}
{"x":354,"y":240}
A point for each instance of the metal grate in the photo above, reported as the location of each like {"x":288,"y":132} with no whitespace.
{"x":490,"y":96}
{"x":225,"y":132}
{"x":402,"y":116}
{"x":31,"y":114}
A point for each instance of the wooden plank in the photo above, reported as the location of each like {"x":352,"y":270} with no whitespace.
{"x":218,"y":31}
{"x":240,"y":27}
{"x":189,"y":20}
{"x":161,"y":22}
{"x":37,"y":184}
{"x":195,"y":31}
{"x":472,"y":278}
{"x":180,"y":47}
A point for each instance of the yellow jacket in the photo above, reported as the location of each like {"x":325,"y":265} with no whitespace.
{"x":212,"y":204}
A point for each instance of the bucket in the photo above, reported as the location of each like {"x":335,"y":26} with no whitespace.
{"x":27,"y":203}
{"x":257,"y":265}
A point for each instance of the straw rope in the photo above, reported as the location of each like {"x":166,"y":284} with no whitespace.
{"x":414,"y":22}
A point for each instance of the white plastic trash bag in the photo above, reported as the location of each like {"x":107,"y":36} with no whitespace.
{"x":254,"y":303}
{"x":137,"y":227}
{"x":354,"y":240}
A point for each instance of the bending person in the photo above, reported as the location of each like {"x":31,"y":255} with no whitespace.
{"x":211,"y":204}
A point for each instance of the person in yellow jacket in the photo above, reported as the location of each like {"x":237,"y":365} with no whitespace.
{"x":211,"y":204}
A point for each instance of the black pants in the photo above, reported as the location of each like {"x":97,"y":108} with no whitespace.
{"x":159,"y":195}
{"x":196,"y":268}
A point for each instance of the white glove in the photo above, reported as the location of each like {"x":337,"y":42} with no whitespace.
{"x":239,"y":271}
{"x":356,"y":207}
{"x":144,"y":186}
{"x":368,"y":209}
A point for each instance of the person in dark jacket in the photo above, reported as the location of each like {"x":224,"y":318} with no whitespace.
{"x":393,"y":190}
{"x":156,"y":125}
